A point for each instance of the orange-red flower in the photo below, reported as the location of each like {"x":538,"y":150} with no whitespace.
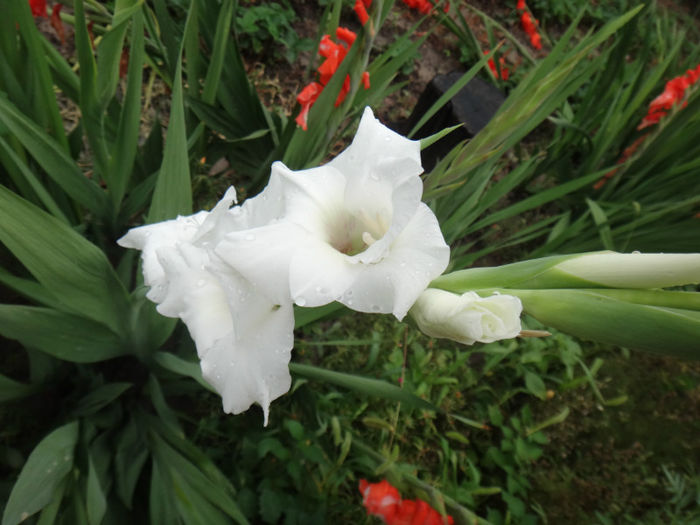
{"x":57,"y":23}
{"x":383,"y":500}
{"x":529,"y":25}
{"x":306,"y":98}
{"x":38,"y":8}
{"x":334,"y":54}
{"x":673,"y":93}
{"x":361,"y":11}
{"x":424,"y":6}
{"x":505,"y":72}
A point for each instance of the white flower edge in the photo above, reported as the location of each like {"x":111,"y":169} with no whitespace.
{"x":467,"y":318}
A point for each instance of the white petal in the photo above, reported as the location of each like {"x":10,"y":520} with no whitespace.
{"x":319,"y":274}
{"x":263,"y":255}
{"x":417,"y":256}
{"x":313,"y":198}
{"x":251,"y":365}
{"x":375,"y":141}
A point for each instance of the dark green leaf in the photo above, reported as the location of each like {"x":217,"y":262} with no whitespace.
{"x":47,"y":465}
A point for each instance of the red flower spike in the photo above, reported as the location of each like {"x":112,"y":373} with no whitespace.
{"x":380,"y":499}
{"x":306,"y":98}
{"x":536,"y":40}
{"x":343,"y":91}
{"x":361,"y":12}
{"x":365,"y":79}
{"x":521,"y":5}
{"x":57,"y":23}
{"x":383,"y":500}
{"x":346,"y":35}
{"x":38,"y":8}
{"x":368,"y":3}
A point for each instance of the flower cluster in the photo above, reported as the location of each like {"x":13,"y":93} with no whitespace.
{"x":505,"y":72}
{"x":425,"y":6}
{"x":334,"y":54}
{"x":384,"y":501}
{"x":673,"y":93}
{"x":529,"y":25}
{"x":39,"y":9}
{"x":354,"y":231}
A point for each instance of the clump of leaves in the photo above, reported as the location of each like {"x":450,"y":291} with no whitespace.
{"x":259,"y":25}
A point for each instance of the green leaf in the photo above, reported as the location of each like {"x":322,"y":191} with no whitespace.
{"x":47,"y":465}
{"x":95,"y":500}
{"x":182,"y":367}
{"x":535,"y":385}
{"x":72,"y":269}
{"x":11,"y":389}
{"x":99,"y":398}
{"x":60,"y":334}
{"x":216,"y":63}
{"x":90,"y":107}
{"x":365,"y":385}
{"x":172,"y":195}
{"x":130,"y":457}
{"x":53,"y":158}
{"x":124,"y":153}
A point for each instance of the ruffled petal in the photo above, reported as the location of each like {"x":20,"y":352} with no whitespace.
{"x":417,"y":256}
{"x":251,"y":365}
{"x":263,"y":255}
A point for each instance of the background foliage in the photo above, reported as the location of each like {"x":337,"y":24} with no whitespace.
{"x":104,"y":415}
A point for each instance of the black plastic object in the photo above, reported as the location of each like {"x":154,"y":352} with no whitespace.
{"x":473,"y":106}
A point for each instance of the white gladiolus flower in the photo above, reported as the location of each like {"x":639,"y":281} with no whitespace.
{"x":353,"y":230}
{"x":634,"y":270}
{"x":244,"y":338}
{"x":467,"y":318}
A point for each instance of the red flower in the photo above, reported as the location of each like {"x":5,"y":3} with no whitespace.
{"x":365,"y":79}
{"x":306,"y":98}
{"x":673,"y":93}
{"x":424,"y":6}
{"x":383,"y":500}
{"x":521,"y":5}
{"x":38,"y":8}
{"x":361,"y":11}
{"x":347,"y":36}
{"x":530,"y":27}
{"x":56,"y":22}
{"x":505,"y":72}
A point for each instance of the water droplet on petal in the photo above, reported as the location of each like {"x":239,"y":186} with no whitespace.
{"x":301,"y":301}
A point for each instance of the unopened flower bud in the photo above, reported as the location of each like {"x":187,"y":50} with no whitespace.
{"x":467,"y":318}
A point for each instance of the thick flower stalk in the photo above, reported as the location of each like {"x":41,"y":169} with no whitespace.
{"x":605,"y":296}
{"x":354,"y":231}
{"x":384,"y":501}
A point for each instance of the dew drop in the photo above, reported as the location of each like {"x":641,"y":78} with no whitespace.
{"x":301,"y":301}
